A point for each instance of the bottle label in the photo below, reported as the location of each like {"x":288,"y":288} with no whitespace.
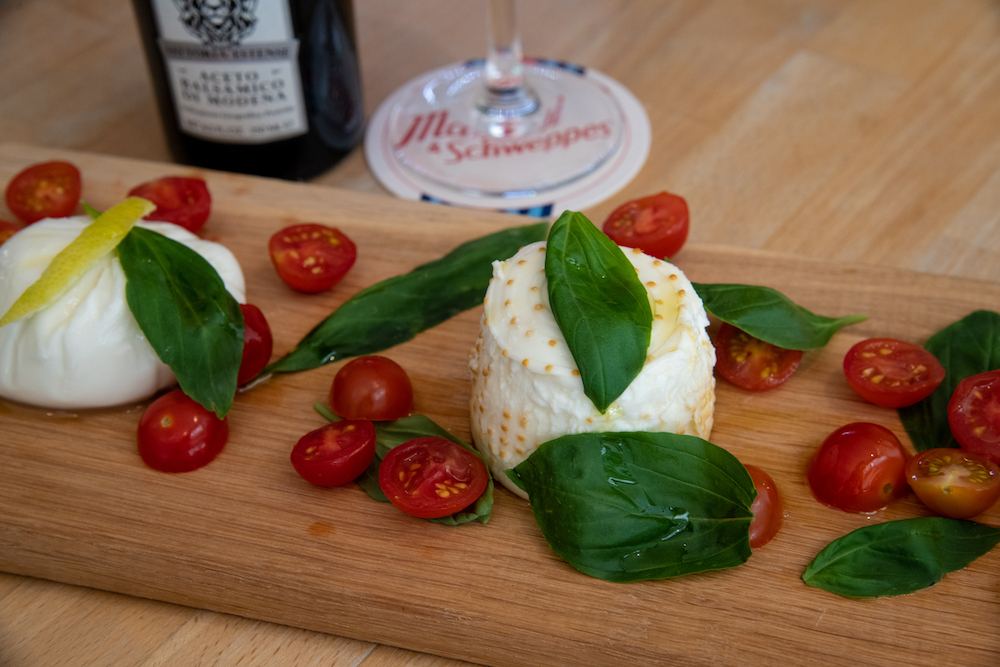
{"x":233,"y":69}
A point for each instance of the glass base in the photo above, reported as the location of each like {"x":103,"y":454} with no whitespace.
{"x":437,"y":129}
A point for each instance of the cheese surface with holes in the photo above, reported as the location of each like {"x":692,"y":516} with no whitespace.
{"x":526,"y":388}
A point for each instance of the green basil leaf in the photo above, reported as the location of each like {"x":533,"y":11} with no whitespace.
{"x":639,"y":506}
{"x":181,"y":304}
{"x":92,"y":212}
{"x":771,"y":316}
{"x":898,"y":557}
{"x":395,"y":310}
{"x":391,"y":434}
{"x":600,"y":305}
{"x":967,"y":347}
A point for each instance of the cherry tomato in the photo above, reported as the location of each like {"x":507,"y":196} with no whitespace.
{"x":766,"y":508}
{"x":335,"y":454}
{"x":374,"y":388}
{"x":176,"y":434}
{"x":310,"y":257}
{"x":8,"y":229}
{"x":974,"y":414}
{"x":751,"y":363}
{"x":432,"y":477}
{"x":658,"y":225}
{"x":44,"y":190}
{"x":860,"y":467}
{"x":892,"y":373}
{"x":954,"y":482}
{"x":257,"y":343}
{"x":180,"y":200}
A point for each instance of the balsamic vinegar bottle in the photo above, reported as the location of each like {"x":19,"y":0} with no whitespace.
{"x":266,"y":87}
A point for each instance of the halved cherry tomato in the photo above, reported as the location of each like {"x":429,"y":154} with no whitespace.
{"x":181,"y":200}
{"x":176,"y":434}
{"x":767,"y":510}
{"x":974,"y":414}
{"x":432,"y":477}
{"x":310,"y":257}
{"x":44,"y":190}
{"x":892,"y":373}
{"x":373,"y":387}
{"x":658,"y":225}
{"x":335,"y":454}
{"x":860,"y":467}
{"x":257,"y":343}
{"x":8,"y":229}
{"x":954,"y":482}
{"x":751,"y":363}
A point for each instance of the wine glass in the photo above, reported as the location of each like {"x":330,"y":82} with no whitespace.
{"x":505,"y":130}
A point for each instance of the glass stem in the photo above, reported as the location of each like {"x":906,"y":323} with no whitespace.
{"x":507,"y":93}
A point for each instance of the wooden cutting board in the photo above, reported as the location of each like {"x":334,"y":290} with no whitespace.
{"x":245,"y":535}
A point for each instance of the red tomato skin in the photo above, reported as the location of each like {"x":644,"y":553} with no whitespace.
{"x":177,"y":434}
{"x":8,"y":229}
{"x":181,"y":200}
{"x":767,"y":508}
{"x":335,"y":454}
{"x":658,"y":225}
{"x":974,"y":414}
{"x":432,"y":477}
{"x":372,"y":387}
{"x":750,"y":363}
{"x":906,"y":373}
{"x":311,"y":258}
{"x":257,"y":343}
{"x":953,"y":482}
{"x":859,"y":468}
{"x":44,"y":190}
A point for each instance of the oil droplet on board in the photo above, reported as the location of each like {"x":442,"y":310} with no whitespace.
{"x":321,"y":528}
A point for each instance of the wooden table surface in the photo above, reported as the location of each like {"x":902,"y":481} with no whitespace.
{"x":854,"y":130}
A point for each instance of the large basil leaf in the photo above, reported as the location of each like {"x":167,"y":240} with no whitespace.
{"x":600,"y":305}
{"x":390,"y":434}
{"x":395,"y":310}
{"x":965,"y":348}
{"x":769,"y":315}
{"x":181,"y":304}
{"x":638,"y":506}
{"x":898,"y":557}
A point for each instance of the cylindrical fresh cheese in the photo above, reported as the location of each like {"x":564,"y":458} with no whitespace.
{"x":526,"y":388}
{"x":85,"y":350}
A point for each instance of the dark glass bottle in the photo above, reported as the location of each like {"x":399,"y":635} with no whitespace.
{"x":266,"y":87}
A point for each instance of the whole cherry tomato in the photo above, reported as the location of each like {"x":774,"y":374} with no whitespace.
{"x":177,"y":434}
{"x":974,"y":414}
{"x":751,"y":363}
{"x":860,"y":467}
{"x":8,"y":229}
{"x":180,"y":200}
{"x":44,"y":190}
{"x":657,"y":225}
{"x":432,"y":477}
{"x":374,"y":388}
{"x":257,"y":343}
{"x":892,"y":373}
{"x":767,"y":509}
{"x":953,"y":482}
{"x":310,"y":257}
{"x":335,"y":454}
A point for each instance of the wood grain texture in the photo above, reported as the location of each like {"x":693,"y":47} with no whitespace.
{"x":246,"y":536}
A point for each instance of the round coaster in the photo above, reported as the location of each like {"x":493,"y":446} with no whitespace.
{"x":588,"y":190}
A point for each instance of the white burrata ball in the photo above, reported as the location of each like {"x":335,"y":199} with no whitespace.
{"x":85,"y":350}
{"x":526,"y":388}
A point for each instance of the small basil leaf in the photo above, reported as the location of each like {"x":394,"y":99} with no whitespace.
{"x":395,"y":310}
{"x":639,"y":506}
{"x":600,"y":305}
{"x":771,"y":316}
{"x":898,"y":557}
{"x":967,"y":347}
{"x":181,"y":304}
{"x":391,"y":434}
